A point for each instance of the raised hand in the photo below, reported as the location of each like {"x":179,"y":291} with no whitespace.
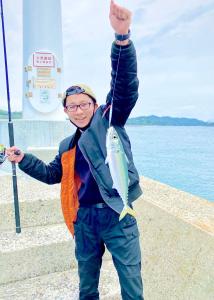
{"x":120,"y":18}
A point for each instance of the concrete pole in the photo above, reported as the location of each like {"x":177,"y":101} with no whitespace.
{"x":42,"y":60}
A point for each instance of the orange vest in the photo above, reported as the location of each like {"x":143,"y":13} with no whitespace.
{"x":70,"y":185}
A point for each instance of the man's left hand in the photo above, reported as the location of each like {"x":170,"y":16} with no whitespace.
{"x":120,"y":18}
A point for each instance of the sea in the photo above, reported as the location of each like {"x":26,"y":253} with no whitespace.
{"x":180,"y":156}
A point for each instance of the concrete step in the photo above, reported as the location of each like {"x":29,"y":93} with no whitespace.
{"x":39,"y":203}
{"x":36,"y":251}
{"x":61,"y":285}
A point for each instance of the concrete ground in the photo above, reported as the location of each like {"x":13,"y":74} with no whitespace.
{"x":176,"y":234}
{"x":61,"y":286}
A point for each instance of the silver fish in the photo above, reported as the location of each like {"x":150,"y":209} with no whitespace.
{"x":117,"y":161}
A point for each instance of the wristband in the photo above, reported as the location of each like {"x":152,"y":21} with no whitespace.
{"x":122,"y":37}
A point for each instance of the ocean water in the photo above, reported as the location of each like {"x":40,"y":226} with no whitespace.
{"x":182,"y":157}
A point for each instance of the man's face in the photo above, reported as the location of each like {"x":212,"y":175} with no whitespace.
{"x":82,"y":115}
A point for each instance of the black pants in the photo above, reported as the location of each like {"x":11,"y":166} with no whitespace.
{"x":95,"y":228}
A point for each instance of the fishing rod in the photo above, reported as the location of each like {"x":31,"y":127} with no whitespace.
{"x":10,"y":131}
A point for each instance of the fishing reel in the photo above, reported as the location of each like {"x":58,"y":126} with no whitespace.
{"x":3,"y":155}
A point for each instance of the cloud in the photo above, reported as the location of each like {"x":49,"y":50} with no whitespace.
{"x":175,"y":48}
{"x":13,"y":36}
{"x":176,"y":28}
{"x":162,"y":16}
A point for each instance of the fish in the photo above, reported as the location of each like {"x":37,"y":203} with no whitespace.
{"x":118,"y":166}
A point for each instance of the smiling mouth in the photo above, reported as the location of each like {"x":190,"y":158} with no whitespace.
{"x":80,"y":119}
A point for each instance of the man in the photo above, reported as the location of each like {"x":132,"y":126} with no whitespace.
{"x":90,"y":205}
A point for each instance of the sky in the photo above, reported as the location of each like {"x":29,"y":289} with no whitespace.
{"x":174,"y":40}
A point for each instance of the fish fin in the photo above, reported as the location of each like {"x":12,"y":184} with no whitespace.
{"x":127,"y":210}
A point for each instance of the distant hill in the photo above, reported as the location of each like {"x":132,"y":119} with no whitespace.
{"x":144,"y":120}
{"x":167,"y":121}
{"x":14,"y":115}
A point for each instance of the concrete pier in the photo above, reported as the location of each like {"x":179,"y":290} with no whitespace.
{"x":176,"y":234}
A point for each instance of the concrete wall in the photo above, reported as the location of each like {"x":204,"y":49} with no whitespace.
{"x":176,"y":234}
{"x":177,"y":243}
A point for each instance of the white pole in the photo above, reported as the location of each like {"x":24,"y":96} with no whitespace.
{"x":42,"y":60}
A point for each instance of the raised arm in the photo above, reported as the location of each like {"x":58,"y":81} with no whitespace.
{"x":124,"y":82}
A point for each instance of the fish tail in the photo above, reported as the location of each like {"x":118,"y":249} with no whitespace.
{"x":127,"y":210}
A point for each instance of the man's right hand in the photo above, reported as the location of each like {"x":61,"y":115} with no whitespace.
{"x":14,"y":154}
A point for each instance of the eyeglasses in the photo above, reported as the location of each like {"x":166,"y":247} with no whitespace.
{"x":73,"y":90}
{"x":82,"y":106}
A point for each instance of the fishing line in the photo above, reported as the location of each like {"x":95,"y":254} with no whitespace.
{"x":112,"y":98}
